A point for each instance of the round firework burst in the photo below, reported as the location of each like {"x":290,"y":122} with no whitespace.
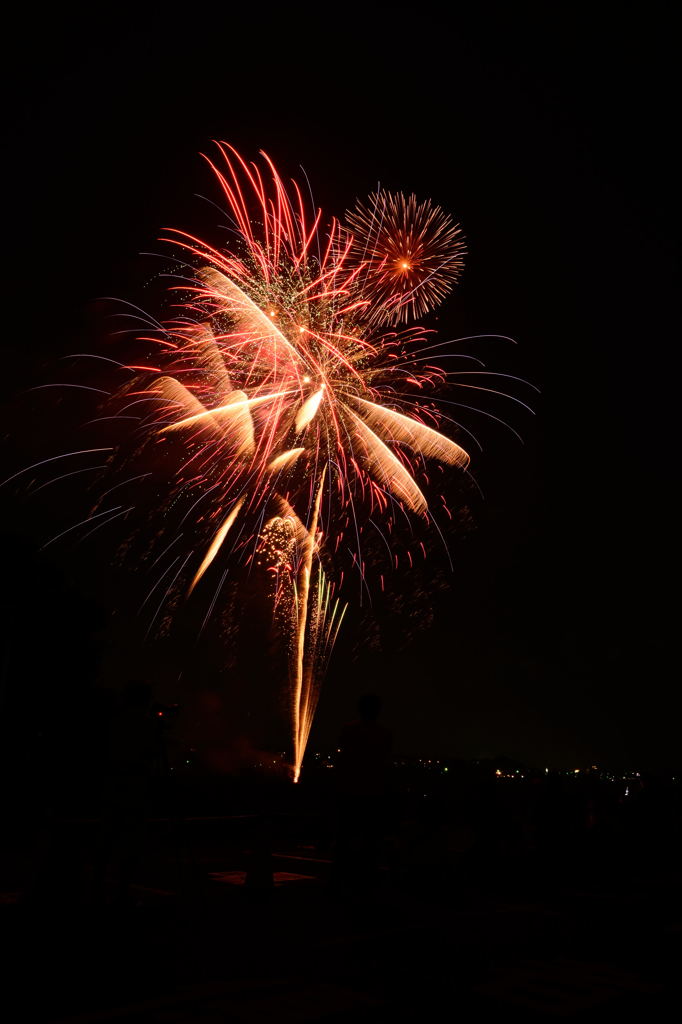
{"x":410,"y":255}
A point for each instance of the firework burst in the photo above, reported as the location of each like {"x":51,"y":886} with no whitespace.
{"x":285,"y":381}
{"x":411,"y":252}
{"x":284,"y":364}
{"x":287,"y":410}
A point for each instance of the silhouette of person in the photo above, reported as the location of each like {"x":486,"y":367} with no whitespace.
{"x":362,"y":781}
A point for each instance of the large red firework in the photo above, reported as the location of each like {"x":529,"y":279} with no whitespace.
{"x":288,"y":411}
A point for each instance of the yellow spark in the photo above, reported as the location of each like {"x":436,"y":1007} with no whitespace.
{"x":225,"y":410}
{"x":216,"y":543}
{"x":394,"y":426}
{"x":308,"y":410}
{"x":244,"y":311}
{"x":301,"y":701}
{"x":284,"y":459}
{"x":384,"y":465}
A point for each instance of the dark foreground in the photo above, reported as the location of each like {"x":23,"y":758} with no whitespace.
{"x":250,"y":917}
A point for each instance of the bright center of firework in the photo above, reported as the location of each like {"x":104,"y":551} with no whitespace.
{"x":404,"y":265}
{"x":306,"y":380}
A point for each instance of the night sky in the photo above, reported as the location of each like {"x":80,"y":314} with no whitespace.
{"x":551,"y":141}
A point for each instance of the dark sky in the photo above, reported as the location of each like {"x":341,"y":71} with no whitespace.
{"x":550,"y":137}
